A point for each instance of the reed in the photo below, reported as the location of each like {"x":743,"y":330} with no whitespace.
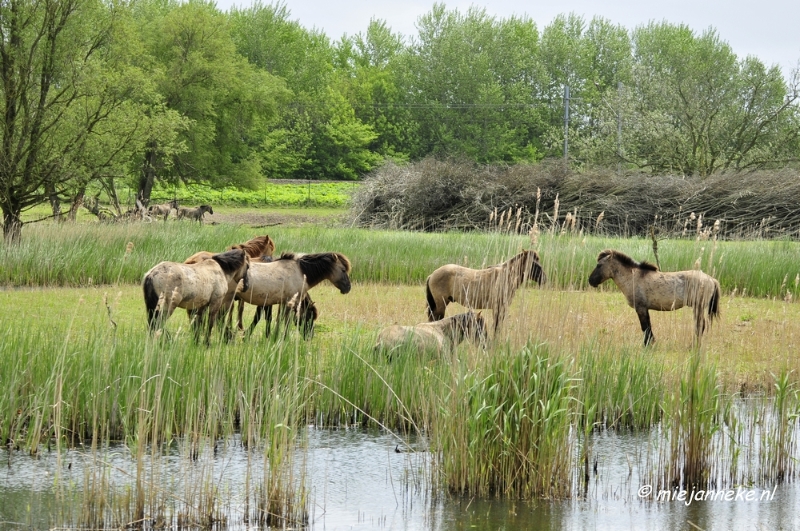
{"x":504,"y":429}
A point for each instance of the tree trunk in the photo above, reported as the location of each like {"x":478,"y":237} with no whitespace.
{"x":55,"y":202}
{"x":77,"y":202}
{"x":12,"y":225}
{"x":148,"y":176}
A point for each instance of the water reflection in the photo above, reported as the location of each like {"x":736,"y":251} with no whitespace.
{"x":358,"y":480}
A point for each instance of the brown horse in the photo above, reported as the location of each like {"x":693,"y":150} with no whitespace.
{"x":163,"y":209}
{"x":491,"y":288}
{"x":195,"y":213}
{"x":279,"y":281}
{"x":261,"y":247}
{"x":646,"y":288}
{"x":438,"y":336}
{"x":201,"y":287}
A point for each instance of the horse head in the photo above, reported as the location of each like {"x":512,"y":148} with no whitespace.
{"x":533,"y":268}
{"x":473,"y":327}
{"x":602,"y":270}
{"x":341,"y":276}
{"x":236,"y":266}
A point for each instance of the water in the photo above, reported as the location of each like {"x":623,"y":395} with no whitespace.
{"x":357,"y":480}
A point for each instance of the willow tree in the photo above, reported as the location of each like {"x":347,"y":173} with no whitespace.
{"x":58,"y":91}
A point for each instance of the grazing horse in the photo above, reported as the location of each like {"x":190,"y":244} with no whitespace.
{"x":438,"y":336}
{"x":201,"y":287}
{"x":163,"y":209}
{"x":195,"y":213}
{"x":491,"y":288}
{"x":277,"y":282}
{"x":303,"y":314}
{"x":646,"y":288}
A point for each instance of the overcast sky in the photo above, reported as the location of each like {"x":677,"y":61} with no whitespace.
{"x":769,"y":29}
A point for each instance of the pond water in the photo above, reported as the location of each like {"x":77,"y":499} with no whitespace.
{"x":357,"y":480}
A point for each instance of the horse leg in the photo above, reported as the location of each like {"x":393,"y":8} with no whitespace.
{"x":256,"y":319}
{"x":644,"y":320}
{"x":268,"y":319}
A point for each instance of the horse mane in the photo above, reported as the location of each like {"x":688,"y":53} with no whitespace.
{"x":627,"y":261}
{"x":256,"y":247}
{"x":317,"y":266}
{"x":230,"y":261}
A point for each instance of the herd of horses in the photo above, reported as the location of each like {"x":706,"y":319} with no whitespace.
{"x":207,"y":284}
{"x":191,"y":213}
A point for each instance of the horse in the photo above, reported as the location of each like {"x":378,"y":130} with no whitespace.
{"x":491,"y":288}
{"x":195,"y":213}
{"x":163,"y":209}
{"x":646,"y":288}
{"x":302,"y":313}
{"x":260,"y":247}
{"x":437,"y":336}
{"x":201,"y":287}
{"x":277,"y":282}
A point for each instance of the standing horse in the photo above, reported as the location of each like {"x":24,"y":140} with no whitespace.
{"x":260,"y":247}
{"x":195,"y":213}
{"x":491,"y":288}
{"x":438,"y":336}
{"x":201,"y":287}
{"x":646,"y":288}
{"x":279,"y":281}
{"x":163,"y":209}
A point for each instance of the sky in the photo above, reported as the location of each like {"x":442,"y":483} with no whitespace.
{"x":768,"y":29}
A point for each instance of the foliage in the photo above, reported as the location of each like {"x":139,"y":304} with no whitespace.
{"x":316,"y":193}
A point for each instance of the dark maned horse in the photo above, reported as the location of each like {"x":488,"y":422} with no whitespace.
{"x":195,"y":213}
{"x":292,"y":275}
{"x":491,"y":288}
{"x":163,"y":209}
{"x":437,"y":336}
{"x":646,"y":288}
{"x":201,"y":287}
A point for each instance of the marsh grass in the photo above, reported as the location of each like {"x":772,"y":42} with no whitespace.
{"x":86,"y":254}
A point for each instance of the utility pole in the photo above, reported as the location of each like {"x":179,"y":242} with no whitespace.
{"x":566,"y":124}
{"x":619,"y":127}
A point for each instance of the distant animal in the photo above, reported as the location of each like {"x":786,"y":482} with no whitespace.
{"x":195,"y":213}
{"x":437,"y":336}
{"x":277,"y":282}
{"x":163,"y":209}
{"x":201,"y":287}
{"x":646,"y":288}
{"x":491,"y":288}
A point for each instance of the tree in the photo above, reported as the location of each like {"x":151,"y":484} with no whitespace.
{"x":226,"y":102}
{"x":695,"y":108}
{"x":62,"y":87}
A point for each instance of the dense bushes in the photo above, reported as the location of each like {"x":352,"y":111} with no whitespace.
{"x":436,"y":195}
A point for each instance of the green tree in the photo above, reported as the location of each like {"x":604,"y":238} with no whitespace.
{"x":695,"y":108}
{"x":473,"y":83}
{"x":67,"y":112}
{"x":227,"y":104}
{"x":317,"y":134}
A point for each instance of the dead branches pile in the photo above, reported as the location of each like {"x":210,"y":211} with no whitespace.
{"x":437,"y":195}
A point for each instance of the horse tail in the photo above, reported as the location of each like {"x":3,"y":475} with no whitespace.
{"x":150,"y":302}
{"x":713,"y":303}
{"x":431,"y":301}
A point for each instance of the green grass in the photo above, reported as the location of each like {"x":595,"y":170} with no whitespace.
{"x":82,"y":254}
